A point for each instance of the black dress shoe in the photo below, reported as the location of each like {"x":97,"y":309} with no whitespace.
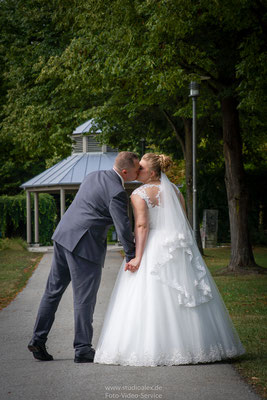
{"x":39,"y":351}
{"x":85,"y":358}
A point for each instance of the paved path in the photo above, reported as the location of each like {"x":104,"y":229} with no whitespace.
{"x":23,"y":378}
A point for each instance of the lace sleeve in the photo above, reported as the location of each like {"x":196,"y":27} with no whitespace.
{"x":141,"y":193}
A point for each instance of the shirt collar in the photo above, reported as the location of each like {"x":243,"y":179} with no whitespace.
{"x":122,"y":180}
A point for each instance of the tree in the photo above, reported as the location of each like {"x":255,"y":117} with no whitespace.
{"x":127,"y":60}
{"x":30,"y":133}
{"x":152,"y":48}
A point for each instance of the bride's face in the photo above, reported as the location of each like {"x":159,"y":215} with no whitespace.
{"x":145,"y":173}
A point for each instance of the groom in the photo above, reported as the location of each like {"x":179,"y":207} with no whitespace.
{"x":80,"y":242}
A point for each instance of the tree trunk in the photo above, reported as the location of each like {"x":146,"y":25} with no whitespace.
{"x":237,"y":192}
{"x":186,"y":144}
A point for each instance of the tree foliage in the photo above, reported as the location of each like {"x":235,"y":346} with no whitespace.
{"x":30,"y":131}
{"x":128,"y":65}
{"x":126,"y":62}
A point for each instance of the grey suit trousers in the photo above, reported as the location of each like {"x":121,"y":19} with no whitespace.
{"x":85,"y":277}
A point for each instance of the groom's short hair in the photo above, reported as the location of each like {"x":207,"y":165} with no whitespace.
{"x":125,"y":160}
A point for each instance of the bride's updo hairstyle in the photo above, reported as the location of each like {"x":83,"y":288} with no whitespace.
{"x":158,"y":163}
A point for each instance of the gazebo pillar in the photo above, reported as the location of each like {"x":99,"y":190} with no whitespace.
{"x":85,"y":143}
{"x":62,"y":202}
{"x":36,"y":217}
{"x":28,"y":208}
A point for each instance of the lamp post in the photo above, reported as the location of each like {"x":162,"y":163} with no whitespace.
{"x":194,"y":93}
{"x":143,"y":146}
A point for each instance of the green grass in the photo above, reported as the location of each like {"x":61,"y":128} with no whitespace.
{"x":244,"y":296}
{"x":245,"y":299}
{"x":16,"y":267}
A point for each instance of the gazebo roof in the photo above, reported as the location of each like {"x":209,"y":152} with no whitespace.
{"x":72,"y":170}
{"x":85,"y":127}
{"x":66,"y":176}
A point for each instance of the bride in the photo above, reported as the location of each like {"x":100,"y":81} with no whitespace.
{"x":165,"y":308}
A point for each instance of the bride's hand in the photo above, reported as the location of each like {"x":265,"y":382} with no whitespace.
{"x":132,"y":265}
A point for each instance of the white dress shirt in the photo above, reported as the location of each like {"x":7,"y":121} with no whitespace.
{"x":122,"y":180}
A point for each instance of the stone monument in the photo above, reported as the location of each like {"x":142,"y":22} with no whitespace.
{"x":209,"y":229}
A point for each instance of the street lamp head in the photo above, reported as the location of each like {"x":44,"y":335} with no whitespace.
{"x":194,"y":89}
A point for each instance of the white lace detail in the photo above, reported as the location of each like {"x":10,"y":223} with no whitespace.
{"x":150,"y":201}
{"x":201,"y":282}
{"x":211,"y":354}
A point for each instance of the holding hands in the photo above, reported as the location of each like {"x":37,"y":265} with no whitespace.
{"x":132,"y":265}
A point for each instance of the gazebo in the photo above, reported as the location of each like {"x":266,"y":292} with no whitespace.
{"x":66,"y":176}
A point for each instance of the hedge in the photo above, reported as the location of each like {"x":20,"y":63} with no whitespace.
{"x":13,"y":216}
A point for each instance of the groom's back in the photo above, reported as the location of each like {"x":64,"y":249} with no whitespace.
{"x":92,"y":200}
{"x":88,"y":217}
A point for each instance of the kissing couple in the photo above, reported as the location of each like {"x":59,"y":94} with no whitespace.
{"x":165,"y":308}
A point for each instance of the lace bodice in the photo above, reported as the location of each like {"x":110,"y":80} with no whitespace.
{"x":150,"y":193}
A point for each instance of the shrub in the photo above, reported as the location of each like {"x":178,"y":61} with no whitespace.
{"x":13,"y":216}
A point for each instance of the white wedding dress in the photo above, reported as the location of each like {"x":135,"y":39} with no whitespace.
{"x":170,"y":311}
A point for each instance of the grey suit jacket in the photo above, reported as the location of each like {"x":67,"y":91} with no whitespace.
{"x":100,"y":202}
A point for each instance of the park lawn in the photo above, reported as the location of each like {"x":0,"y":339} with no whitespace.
{"x":246,"y":300}
{"x":16,"y":267}
{"x":244,"y":296}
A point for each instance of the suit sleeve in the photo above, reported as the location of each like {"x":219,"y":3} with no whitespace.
{"x":119,"y":215}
